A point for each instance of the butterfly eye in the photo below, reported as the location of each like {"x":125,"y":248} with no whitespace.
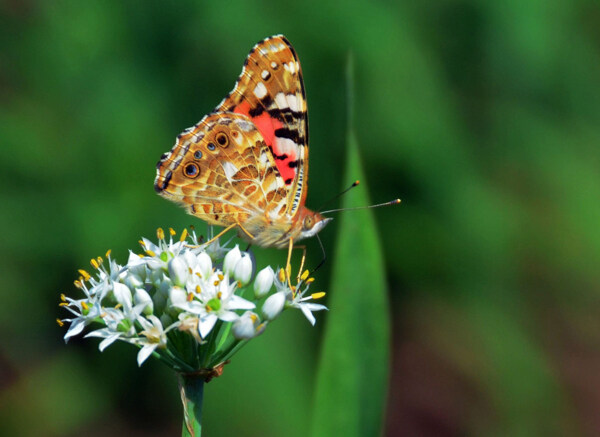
{"x":191,"y":170}
{"x":198,"y":154}
{"x":211,"y":147}
{"x":308,"y":222}
{"x":222,"y":139}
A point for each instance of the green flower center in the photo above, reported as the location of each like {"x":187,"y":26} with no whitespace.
{"x":213,"y":305}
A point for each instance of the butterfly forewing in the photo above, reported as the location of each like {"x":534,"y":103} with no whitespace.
{"x":270,"y":91}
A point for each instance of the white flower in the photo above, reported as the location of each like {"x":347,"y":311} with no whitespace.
{"x":263,"y":282}
{"x":154,"y":336}
{"x":214,"y":299}
{"x":296,"y":298}
{"x":274,"y":305}
{"x":247,"y":326}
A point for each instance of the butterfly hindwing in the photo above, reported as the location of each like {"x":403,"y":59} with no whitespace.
{"x":222,"y":171}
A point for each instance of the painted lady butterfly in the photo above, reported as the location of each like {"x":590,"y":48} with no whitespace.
{"x":245,"y":164}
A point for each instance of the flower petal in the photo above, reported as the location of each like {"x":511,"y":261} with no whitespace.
{"x":145,"y":352}
{"x":206,"y":325}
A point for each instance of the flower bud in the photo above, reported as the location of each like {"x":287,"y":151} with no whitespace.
{"x":177,"y":296}
{"x":204,"y":264}
{"x":243,"y":269}
{"x":263,"y":282}
{"x":273,"y":305}
{"x":141,"y":296}
{"x":178,"y":271}
{"x":231,"y":259}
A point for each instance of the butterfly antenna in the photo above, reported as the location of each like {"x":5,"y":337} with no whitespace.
{"x":354,"y":184}
{"x":324,"y":254}
{"x":391,"y":202}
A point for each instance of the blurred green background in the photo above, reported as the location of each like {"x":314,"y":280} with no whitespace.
{"x":484,"y":117}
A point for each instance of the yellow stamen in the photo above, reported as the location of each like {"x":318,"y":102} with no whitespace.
{"x":86,"y":275}
{"x":219,"y":294}
{"x":150,"y":253}
{"x":160,"y":234}
{"x":78,"y":283}
{"x":309,"y":280}
{"x":172,"y":232}
{"x":216,"y":283}
{"x":63,"y":297}
{"x":208,"y":308}
{"x":253,"y":318}
{"x":281,"y":275}
{"x":141,"y":255}
{"x":100,"y":260}
{"x":142,"y":243}
{"x":84,"y":306}
{"x":199,"y":274}
{"x":318,"y":295}
{"x":190,"y":271}
{"x":239,"y":284}
{"x":198,"y":289}
{"x":60,"y":323}
{"x":305,"y":275}
{"x":108,"y":253}
{"x":94,"y":263}
{"x":117,"y":306}
{"x":63,"y":304}
{"x":221,"y":277}
{"x":190,"y":297}
{"x":184,"y":235}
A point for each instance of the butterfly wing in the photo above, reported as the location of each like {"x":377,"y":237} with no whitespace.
{"x":222,"y":171}
{"x":270,"y":91}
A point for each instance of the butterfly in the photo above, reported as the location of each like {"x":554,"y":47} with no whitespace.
{"x":245,"y":164}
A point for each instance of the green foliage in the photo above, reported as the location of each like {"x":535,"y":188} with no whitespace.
{"x":484,"y":117}
{"x":352,"y":380}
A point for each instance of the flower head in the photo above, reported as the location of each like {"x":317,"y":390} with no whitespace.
{"x":180,"y":287}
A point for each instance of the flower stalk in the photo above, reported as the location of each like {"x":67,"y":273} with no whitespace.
{"x":191,"y":389}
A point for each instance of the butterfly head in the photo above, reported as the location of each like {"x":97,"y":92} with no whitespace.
{"x":312,"y":223}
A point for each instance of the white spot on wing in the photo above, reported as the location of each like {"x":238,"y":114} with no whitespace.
{"x":293,"y":102}
{"x":245,"y":126}
{"x":273,"y":64}
{"x":264,"y":74}
{"x":287,"y":146}
{"x":260,"y":90}
{"x":229,"y":169}
{"x":281,"y":101}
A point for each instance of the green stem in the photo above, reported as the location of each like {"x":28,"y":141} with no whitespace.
{"x":191,"y":389}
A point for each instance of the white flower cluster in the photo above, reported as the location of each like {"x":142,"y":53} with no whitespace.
{"x":181,"y":290}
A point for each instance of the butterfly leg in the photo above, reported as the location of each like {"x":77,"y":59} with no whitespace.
{"x":288,"y":266}
{"x":245,"y":231}
{"x":219,"y":235}
{"x":301,"y":262}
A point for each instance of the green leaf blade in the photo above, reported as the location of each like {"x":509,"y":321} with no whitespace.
{"x":353,"y":372}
